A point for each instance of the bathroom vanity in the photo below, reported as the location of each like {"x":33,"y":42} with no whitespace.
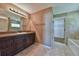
{"x":12,"y":43}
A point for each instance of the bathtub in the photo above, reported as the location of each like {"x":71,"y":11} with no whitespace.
{"x":74,"y":46}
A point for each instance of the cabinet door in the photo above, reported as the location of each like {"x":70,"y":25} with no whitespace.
{"x":30,"y":38}
{"x":19,"y":42}
{"x":7,"y":46}
{"x":25,"y":41}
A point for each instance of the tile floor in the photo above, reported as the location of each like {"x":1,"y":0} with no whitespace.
{"x":42,"y":50}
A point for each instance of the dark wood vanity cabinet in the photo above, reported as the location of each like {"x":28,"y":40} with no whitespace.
{"x":29,"y":40}
{"x":11,"y":45}
{"x":6,"y":46}
{"x":19,"y":42}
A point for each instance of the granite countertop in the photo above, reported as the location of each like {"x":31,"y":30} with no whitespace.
{"x":11,"y":34}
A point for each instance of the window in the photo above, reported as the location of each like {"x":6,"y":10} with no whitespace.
{"x":15,"y":25}
{"x":59,"y":27}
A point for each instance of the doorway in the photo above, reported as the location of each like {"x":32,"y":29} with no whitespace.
{"x":59,"y":30}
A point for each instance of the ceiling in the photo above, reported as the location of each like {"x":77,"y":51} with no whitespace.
{"x":57,"y":7}
{"x":33,"y":7}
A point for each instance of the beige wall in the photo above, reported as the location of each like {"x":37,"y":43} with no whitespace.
{"x":3,"y":25}
{"x":26,"y":24}
{"x":38,"y":23}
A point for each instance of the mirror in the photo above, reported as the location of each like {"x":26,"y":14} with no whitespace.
{"x":14,"y":25}
{"x":10,"y":22}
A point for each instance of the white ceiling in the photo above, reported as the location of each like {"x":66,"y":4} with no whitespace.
{"x":32,"y":7}
{"x":57,"y":7}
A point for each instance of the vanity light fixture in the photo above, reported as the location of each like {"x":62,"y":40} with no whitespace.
{"x":16,"y":11}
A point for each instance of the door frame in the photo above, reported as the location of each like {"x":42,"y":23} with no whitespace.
{"x":65,"y":38}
